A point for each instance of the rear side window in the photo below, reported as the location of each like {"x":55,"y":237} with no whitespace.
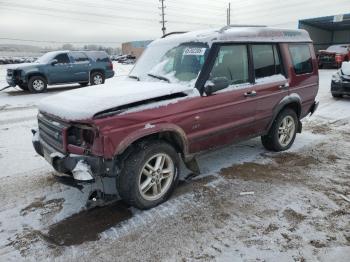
{"x":98,"y":56}
{"x":232,"y":63}
{"x":62,"y":59}
{"x":266,"y":60}
{"x":301,"y":58}
{"x":79,"y":57}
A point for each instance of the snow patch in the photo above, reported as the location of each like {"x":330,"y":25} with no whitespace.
{"x":345,"y":68}
{"x":149,"y":126}
{"x":82,"y":171}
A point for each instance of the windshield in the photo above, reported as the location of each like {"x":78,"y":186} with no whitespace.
{"x":45,"y":59}
{"x":164,"y":62}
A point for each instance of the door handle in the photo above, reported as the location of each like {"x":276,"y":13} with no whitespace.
{"x":250,"y":94}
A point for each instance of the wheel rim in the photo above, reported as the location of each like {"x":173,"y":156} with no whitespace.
{"x":156,"y":177}
{"x":38,"y":85}
{"x":286,"y":131}
{"x":98,"y":79}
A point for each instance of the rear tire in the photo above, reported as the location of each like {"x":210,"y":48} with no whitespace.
{"x":97,"y":78}
{"x":149,"y":174}
{"x":37,"y":84}
{"x":283,"y":131}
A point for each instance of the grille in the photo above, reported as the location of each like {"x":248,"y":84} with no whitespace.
{"x":9,"y":72}
{"x":327,"y":58}
{"x":51,"y":133}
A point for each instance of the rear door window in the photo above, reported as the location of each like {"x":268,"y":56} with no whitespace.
{"x":266,"y":60}
{"x":232,"y":63}
{"x":79,"y":57}
{"x":301,"y":58}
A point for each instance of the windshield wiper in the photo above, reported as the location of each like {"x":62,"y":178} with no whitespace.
{"x":159,"y":77}
{"x":134,"y":77}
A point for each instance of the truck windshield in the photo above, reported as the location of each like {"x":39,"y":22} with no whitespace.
{"x":164,"y":62}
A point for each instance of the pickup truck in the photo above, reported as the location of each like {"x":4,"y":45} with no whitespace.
{"x":61,"y":67}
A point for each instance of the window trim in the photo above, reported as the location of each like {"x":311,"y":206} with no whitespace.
{"x":291,"y":58}
{"x":278,"y":48}
{"x":210,"y":62}
{"x":69,"y":60}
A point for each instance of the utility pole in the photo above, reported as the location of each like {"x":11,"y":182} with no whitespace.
{"x":163,"y":16}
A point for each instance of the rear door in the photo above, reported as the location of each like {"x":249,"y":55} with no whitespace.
{"x":80,"y":67}
{"x":271,"y":85}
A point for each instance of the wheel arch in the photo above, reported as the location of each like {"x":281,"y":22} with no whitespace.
{"x":292,"y":101}
{"x":31,"y":74}
{"x":172,"y":134}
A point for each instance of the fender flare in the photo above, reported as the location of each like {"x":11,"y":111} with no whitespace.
{"x":153,"y":130}
{"x":287,"y":100}
{"x":34,"y":73}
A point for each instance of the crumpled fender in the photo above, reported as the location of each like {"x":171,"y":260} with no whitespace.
{"x":151,"y":129}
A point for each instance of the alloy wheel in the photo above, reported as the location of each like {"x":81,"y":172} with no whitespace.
{"x":156,"y":177}
{"x":286,"y":131}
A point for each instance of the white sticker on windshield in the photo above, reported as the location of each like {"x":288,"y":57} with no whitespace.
{"x":194,"y":51}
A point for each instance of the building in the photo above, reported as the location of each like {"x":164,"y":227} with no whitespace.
{"x":135,"y":48}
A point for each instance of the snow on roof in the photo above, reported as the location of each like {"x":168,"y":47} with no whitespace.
{"x":239,"y":34}
{"x":340,"y":49}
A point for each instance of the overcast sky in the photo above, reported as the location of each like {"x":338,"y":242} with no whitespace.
{"x":111,"y":22}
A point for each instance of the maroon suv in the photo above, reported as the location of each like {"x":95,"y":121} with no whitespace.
{"x":188,"y":93}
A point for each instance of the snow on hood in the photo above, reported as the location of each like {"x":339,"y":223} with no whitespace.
{"x":21,"y":66}
{"x":81,"y":104}
{"x":345,"y":68}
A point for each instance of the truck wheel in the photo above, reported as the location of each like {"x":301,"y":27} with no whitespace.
{"x":24,"y":87}
{"x":282,"y":133}
{"x":97,"y":78}
{"x":149,"y":175}
{"x":37,"y":84}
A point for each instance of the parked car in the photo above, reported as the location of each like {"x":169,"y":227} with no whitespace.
{"x":124,"y":58}
{"x":62,"y":67}
{"x":334,"y":56}
{"x":186,"y":94}
{"x":340,"y":84}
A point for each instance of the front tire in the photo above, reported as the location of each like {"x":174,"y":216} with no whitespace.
{"x":149,"y":174}
{"x":37,"y":84}
{"x":97,"y":78}
{"x":283,"y":131}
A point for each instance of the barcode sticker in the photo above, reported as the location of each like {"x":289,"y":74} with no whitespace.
{"x":194,"y":51}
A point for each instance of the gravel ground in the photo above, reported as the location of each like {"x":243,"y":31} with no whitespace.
{"x":294,"y":209}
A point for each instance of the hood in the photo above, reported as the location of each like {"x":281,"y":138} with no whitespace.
{"x":24,"y":66}
{"x":82,"y":104}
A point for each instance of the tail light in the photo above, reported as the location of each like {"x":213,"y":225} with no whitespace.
{"x":110,"y":65}
{"x":338,"y":58}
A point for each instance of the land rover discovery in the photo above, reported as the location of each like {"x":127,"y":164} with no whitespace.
{"x":188,"y":93}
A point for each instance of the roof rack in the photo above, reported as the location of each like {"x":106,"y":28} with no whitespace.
{"x":173,"y":33}
{"x":223,"y":29}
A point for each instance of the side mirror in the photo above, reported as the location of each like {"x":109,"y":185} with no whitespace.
{"x":216,"y":84}
{"x":54,"y":62}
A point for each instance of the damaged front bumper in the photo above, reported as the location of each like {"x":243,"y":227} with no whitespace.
{"x":83,"y":169}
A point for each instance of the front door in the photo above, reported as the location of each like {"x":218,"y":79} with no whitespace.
{"x":61,"y":71}
{"x":227,"y":115}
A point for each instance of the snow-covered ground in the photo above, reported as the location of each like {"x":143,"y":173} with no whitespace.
{"x":295,"y":213}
